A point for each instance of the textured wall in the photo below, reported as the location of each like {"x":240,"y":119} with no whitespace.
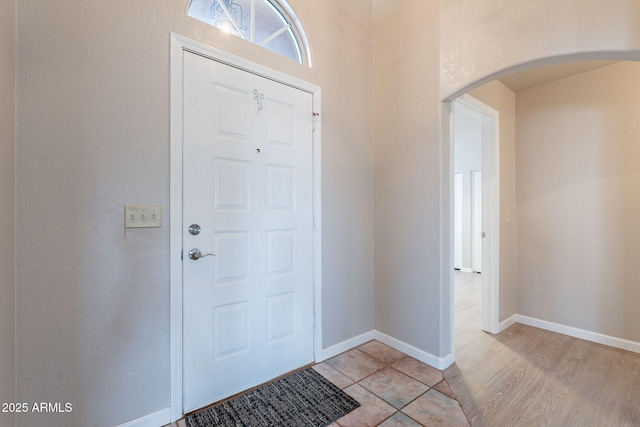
{"x":343,"y":67}
{"x":93,"y":134}
{"x":481,"y":41}
{"x":501,"y":98}
{"x":484,"y":40}
{"x":407,"y":166}
{"x":578,"y":174}
{"x":7,"y":204}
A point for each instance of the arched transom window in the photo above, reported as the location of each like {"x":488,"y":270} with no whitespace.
{"x":268,"y":23}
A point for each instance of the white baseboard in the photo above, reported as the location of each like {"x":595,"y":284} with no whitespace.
{"x":507,"y":322}
{"x":423,"y":356}
{"x":156,"y":419}
{"x":343,"y":346}
{"x":580,"y":333}
{"x":440,"y":363}
{"x":163,"y":417}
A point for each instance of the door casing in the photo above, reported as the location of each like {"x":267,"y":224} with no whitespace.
{"x":179,"y":44}
{"x":476,"y":221}
{"x":490,"y":317}
{"x":457,"y":220}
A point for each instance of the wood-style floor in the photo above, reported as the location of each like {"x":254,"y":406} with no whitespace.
{"x":526,"y":376}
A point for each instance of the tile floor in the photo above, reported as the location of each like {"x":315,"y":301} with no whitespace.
{"x":393,"y":389}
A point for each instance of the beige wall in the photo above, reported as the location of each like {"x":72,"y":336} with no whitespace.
{"x":407,"y":159}
{"x":502,"y":99}
{"x":578,"y":175}
{"x":343,"y":67}
{"x":481,"y":41}
{"x":93,"y":134}
{"x":471,"y":43}
{"x":488,"y":39}
{"x":7,"y":204}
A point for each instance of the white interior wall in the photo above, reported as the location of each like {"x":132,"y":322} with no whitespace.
{"x":578,"y":171}
{"x":92,"y":135}
{"x":7,"y":205}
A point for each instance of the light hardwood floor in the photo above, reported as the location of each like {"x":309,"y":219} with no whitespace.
{"x":526,"y":376}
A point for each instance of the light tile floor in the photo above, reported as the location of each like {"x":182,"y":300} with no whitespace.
{"x":394,"y":390}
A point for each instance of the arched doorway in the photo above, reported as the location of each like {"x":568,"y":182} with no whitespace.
{"x":508,"y":315}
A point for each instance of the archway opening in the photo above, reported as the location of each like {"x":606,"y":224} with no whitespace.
{"x":525,"y":78}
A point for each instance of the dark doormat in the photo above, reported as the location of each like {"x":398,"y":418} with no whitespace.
{"x":302,"y":399}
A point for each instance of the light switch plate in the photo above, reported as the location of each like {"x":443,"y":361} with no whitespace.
{"x":142,"y":216}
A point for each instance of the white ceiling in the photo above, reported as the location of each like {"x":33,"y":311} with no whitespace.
{"x":538,"y":76}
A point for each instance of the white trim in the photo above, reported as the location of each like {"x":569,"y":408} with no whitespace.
{"x":298,"y":29}
{"x":580,"y":333}
{"x":457,"y":190}
{"x":476,"y":221}
{"x":440,"y":363}
{"x":317,"y":223}
{"x":274,"y":35}
{"x":175,"y":227}
{"x":507,"y":322}
{"x":178,"y":45}
{"x":490,"y":209}
{"x":156,"y":419}
{"x":183,"y":43}
{"x":346,"y":345}
{"x":447,"y":278}
{"x":292,"y":23}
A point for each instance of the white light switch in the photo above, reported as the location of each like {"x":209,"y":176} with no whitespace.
{"x":142,"y":216}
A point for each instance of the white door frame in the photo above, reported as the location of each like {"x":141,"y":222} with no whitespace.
{"x":490,"y":317}
{"x":457,"y":192}
{"x":179,"y":44}
{"x":476,"y":221}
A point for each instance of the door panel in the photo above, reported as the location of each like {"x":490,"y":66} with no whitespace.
{"x":248,"y":310}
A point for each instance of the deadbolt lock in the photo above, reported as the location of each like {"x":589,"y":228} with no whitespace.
{"x":194,"y":229}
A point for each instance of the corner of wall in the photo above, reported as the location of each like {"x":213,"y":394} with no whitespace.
{"x":408,"y":235}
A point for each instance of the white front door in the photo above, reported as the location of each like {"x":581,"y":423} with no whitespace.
{"x":247,"y":184}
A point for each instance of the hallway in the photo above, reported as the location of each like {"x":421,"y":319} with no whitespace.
{"x":526,"y":376}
